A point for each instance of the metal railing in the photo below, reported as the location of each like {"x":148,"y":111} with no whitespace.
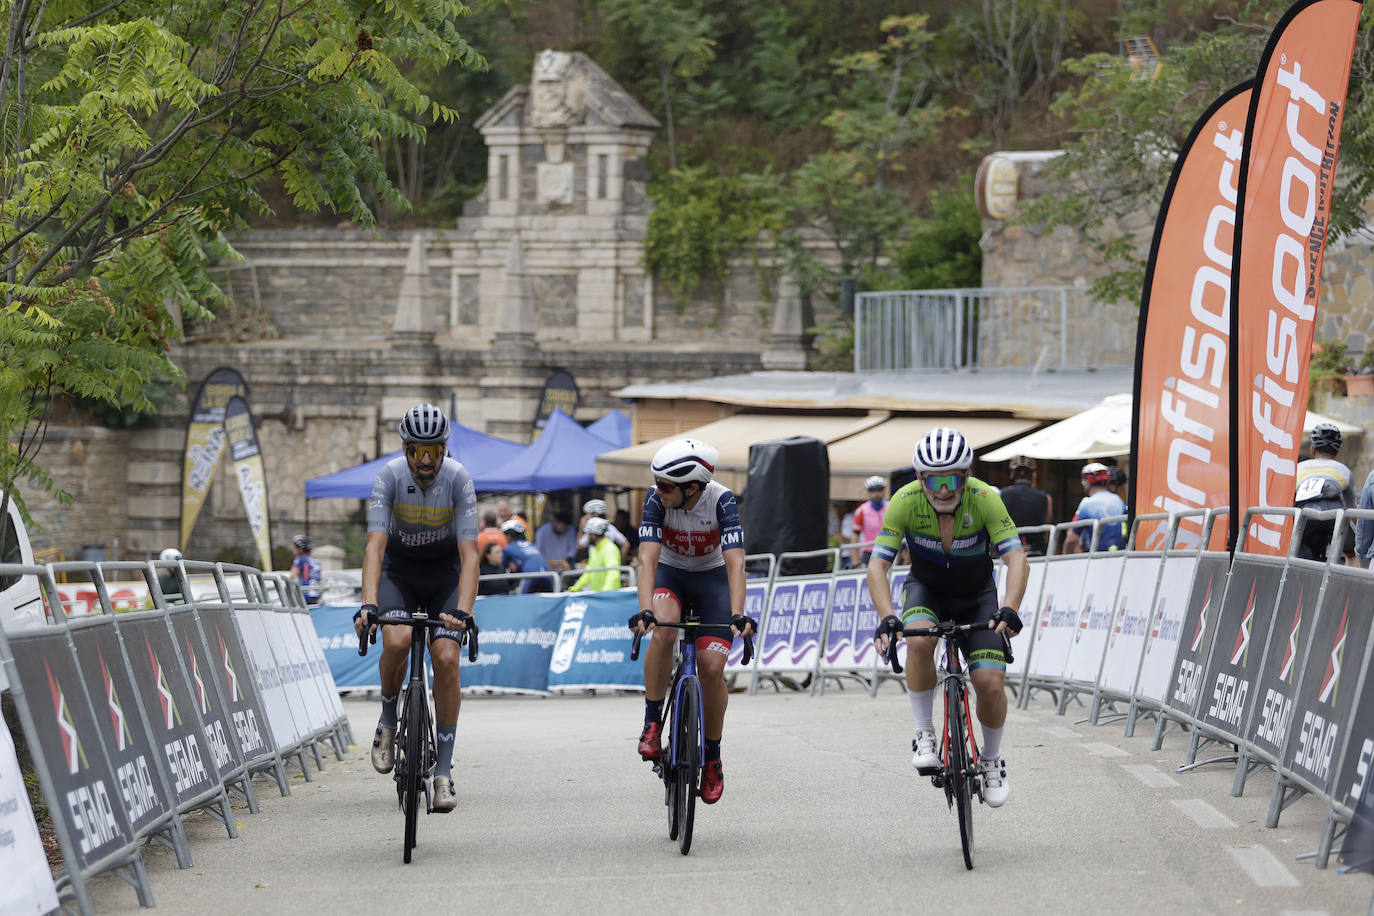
{"x":1041,"y":327}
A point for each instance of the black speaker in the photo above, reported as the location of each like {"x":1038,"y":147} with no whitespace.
{"x":787,"y":500}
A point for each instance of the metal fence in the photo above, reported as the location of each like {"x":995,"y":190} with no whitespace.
{"x":1042,"y":327}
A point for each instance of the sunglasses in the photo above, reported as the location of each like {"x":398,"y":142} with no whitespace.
{"x":434,"y":453}
{"x":951,"y":482}
{"x":666,"y":486}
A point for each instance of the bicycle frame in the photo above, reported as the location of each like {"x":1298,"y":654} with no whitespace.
{"x":685,"y":669}
{"x":953,"y":676}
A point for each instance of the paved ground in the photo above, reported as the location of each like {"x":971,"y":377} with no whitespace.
{"x":822,"y":814}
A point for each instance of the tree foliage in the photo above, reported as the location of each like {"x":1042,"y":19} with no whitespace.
{"x":135,"y":132}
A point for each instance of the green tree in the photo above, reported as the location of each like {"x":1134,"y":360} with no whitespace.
{"x":134,"y":132}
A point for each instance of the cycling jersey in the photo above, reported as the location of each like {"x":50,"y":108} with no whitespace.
{"x":1323,"y":478}
{"x":1100,"y":505}
{"x":524,"y":557}
{"x":694,"y":539}
{"x":423,"y":524}
{"x":308,"y":575}
{"x":868,"y":520}
{"x":980,"y":519}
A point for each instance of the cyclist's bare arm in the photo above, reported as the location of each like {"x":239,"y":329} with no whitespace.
{"x":648,"y":566}
{"x":467,"y":583}
{"x":734,"y":573}
{"x":880,"y":592}
{"x":372,"y":571}
{"x":1018,"y":571}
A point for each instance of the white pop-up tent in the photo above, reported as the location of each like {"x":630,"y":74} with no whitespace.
{"x":1100,"y":432}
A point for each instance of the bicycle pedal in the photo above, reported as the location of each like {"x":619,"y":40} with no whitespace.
{"x":929,"y":771}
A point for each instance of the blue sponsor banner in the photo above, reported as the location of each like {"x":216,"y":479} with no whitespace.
{"x":516,"y":642}
{"x":777,"y":629}
{"x":593,"y":645}
{"x":755,"y":596}
{"x":334,"y":626}
{"x":840,"y":639}
{"x":806,"y":634}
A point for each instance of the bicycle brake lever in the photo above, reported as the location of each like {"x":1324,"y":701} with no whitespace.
{"x":748,"y":650}
{"x":362,"y":642}
{"x":634,"y":648}
{"x":892,"y":656}
{"x":472,"y":644}
{"x":1006,"y":648}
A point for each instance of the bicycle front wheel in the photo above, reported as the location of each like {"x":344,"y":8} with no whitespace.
{"x":688,"y":744}
{"x":960,"y":764}
{"x":414,"y":751}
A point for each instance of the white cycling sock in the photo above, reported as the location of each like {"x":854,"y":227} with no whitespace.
{"x":992,"y":742}
{"x":923,"y":707}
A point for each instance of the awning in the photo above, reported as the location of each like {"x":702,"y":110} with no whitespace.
{"x":629,"y":467}
{"x":859,"y":447}
{"x":887,"y":447}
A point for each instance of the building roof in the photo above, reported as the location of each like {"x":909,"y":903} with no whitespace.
{"x":1010,"y":392}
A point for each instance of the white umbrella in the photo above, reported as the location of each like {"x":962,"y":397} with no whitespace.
{"x":1102,"y":431}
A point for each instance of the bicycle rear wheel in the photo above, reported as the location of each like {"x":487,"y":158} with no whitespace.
{"x":414,"y":751}
{"x":688,"y":760}
{"x":959,"y":765}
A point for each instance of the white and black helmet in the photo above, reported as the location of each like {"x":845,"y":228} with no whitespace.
{"x":424,"y":423}
{"x":686,"y":461}
{"x":171,"y":553}
{"x":942,"y":449}
{"x":875,"y":483}
{"x":1327,"y":437}
{"x":596,"y":525}
{"x":594,"y":507}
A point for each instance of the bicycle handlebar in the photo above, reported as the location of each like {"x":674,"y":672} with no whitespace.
{"x":943,"y":629}
{"x":748,"y":640}
{"x":369,"y":635}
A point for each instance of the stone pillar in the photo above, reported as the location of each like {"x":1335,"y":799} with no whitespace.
{"x":789,"y":343}
{"x":515,"y":365}
{"x":413,"y":325}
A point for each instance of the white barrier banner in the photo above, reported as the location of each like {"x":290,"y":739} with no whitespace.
{"x":805,"y":651}
{"x":319,"y":666}
{"x":755,"y":601}
{"x":1030,"y":604}
{"x":1171,"y":605}
{"x":27,"y":887}
{"x":308,"y":705}
{"x":1095,"y":617}
{"x":1059,"y":613}
{"x":842,"y":639}
{"x":274,"y":699}
{"x":776,"y":638}
{"x":1130,"y":623}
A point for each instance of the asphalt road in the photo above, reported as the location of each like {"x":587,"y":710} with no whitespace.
{"x":822,"y":814}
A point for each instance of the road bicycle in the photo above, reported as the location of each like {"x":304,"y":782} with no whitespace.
{"x":958,"y":772}
{"x":679,"y":765}
{"x":415,"y":748}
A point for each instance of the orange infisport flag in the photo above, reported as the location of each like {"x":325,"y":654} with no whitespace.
{"x":1288,"y":174}
{"x":1181,"y":437}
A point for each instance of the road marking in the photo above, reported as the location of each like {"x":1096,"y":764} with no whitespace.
{"x":1262,"y":866}
{"x":1059,"y":731}
{"x":1202,"y":814}
{"x":1104,"y":750}
{"x":1150,"y":776}
{"x":1304,"y":913}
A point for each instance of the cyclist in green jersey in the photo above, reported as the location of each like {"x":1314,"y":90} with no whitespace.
{"x":948,"y":520}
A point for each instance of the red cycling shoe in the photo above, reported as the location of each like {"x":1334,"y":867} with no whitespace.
{"x":649,"y":746}
{"x":712,"y":781}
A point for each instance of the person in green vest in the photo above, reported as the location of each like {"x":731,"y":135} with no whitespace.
{"x":602,"y":552}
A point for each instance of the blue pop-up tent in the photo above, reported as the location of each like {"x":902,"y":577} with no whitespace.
{"x":476,"y":450}
{"x":563,"y":456}
{"x":614,"y":428}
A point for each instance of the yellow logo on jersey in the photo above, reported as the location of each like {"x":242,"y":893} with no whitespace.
{"x":433,"y":516}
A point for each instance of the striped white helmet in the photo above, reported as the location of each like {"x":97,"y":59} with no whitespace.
{"x":686,"y":460}
{"x":596,"y":525}
{"x":942,"y":449}
{"x":423,"y":423}
{"x":875,"y":483}
{"x":594,"y":507}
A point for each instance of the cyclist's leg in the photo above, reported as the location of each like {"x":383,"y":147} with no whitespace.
{"x":397,"y":599}
{"x":444,"y":653}
{"x":921,"y":608}
{"x":987,"y":664}
{"x":658,"y":657}
{"x":709,"y":595}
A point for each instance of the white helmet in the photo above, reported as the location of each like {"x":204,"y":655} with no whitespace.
{"x":685,"y":461}
{"x":171,"y":553}
{"x":596,"y":525}
{"x":513,"y":526}
{"x":875,"y":483}
{"x":594,"y":507}
{"x":423,"y":423}
{"x":942,"y":449}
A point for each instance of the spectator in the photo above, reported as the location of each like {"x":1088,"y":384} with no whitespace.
{"x":1323,"y":483}
{"x":491,"y":553}
{"x":604,"y":556}
{"x":868,"y":519}
{"x":522,"y":556}
{"x":557,"y":541}
{"x":1364,"y":528}
{"x":168,"y":580}
{"x":1026,"y":505}
{"x":596,"y":508}
{"x":305,"y":569}
{"x":1100,"y":503}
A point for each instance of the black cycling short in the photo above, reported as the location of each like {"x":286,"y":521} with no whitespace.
{"x":703,"y":594}
{"x":1317,"y":532}
{"x":432,"y":586}
{"x":982,"y":648}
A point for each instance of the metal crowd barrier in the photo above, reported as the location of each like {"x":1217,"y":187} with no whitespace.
{"x":137,"y":715}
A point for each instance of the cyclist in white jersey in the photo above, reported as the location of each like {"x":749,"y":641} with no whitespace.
{"x":691,"y":554}
{"x":421,"y":552}
{"x":1323,"y":483}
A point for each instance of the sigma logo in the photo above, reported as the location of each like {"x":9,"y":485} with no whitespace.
{"x":117,"y":719}
{"x":1332,"y":678}
{"x":1308,"y":159}
{"x":566,"y":646}
{"x":73,"y":754}
{"x":1290,"y":651}
{"x":1242,"y":646}
{"x":1193,"y":402}
{"x":171,"y":716}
